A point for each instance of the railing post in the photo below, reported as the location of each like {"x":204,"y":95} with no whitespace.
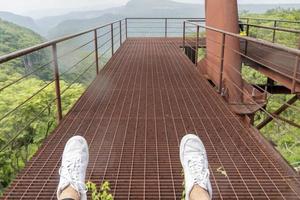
{"x":112,"y":38}
{"x":247,"y":34}
{"x":296,"y":70}
{"x":197,"y":44}
{"x":222,"y":62}
{"x":96,"y":51}
{"x":57,"y":83}
{"x":166,"y":27}
{"x":247,"y":29}
{"x":183,"y":37}
{"x":120,"y":26}
{"x":274,"y":32}
{"x":126,"y":29}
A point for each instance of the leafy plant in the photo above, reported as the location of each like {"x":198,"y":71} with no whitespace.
{"x":101,"y":193}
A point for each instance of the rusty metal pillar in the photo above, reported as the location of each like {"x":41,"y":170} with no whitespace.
{"x":223,"y":14}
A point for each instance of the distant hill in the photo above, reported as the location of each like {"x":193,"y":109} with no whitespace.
{"x":14,"y":37}
{"x":138,"y":8}
{"x":23,"y":21}
{"x":50,"y":22}
{"x":261,"y":8}
{"x":54,"y":26}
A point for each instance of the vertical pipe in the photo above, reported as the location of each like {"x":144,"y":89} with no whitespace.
{"x":197,"y":44}
{"x":57,"y":83}
{"x":222,"y":62}
{"x":247,"y":29}
{"x":96,"y":51}
{"x":295,"y":74}
{"x":183,"y":37}
{"x":120,"y":27}
{"x":126,"y":29}
{"x":274,"y":31}
{"x":226,"y":18}
{"x":112,"y":38}
{"x":248,"y":20}
{"x":247,"y":34}
{"x":166,"y":27}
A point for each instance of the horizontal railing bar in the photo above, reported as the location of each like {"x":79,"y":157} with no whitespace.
{"x":164,"y":18}
{"x":25,"y":76}
{"x":104,"y":34}
{"x":77,"y":63}
{"x":273,"y":28}
{"x":102,"y":45}
{"x":105,"y":52}
{"x":22,"y":129}
{"x":257,"y":41}
{"x":260,"y":19}
{"x":25,"y":51}
{"x":28,"y":50}
{"x":266,"y":19}
{"x":27,"y":100}
{"x":77,"y":48}
{"x":80,"y":75}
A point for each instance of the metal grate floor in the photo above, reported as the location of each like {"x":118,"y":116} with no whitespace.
{"x":133,"y":117}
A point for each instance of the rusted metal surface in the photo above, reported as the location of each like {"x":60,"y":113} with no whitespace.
{"x":265,"y":60}
{"x":96,"y":51}
{"x":278,"y":111}
{"x":226,"y":19}
{"x":57,"y":83}
{"x":259,"y":54}
{"x":133,"y":117}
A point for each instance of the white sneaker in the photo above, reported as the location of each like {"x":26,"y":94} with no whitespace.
{"x":195,"y":164}
{"x":73,"y":167}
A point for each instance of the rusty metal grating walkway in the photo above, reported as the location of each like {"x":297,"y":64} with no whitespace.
{"x":133,"y":116}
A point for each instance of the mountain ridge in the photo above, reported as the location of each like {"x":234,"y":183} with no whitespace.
{"x":78,"y":20}
{"x":20,"y":20}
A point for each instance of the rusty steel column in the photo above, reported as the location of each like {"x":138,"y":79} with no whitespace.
{"x":120,"y":26}
{"x":57,"y":83}
{"x":112,"y":39}
{"x":223,"y":14}
{"x":166,"y":27}
{"x":196,"y":46}
{"x":126,"y":29}
{"x":183,"y":36}
{"x":96,"y":51}
{"x":274,"y":32}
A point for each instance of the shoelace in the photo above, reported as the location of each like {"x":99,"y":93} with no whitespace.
{"x":201,"y":175}
{"x":71,"y":173}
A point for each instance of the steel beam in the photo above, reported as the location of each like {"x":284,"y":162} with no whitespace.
{"x":278,"y":112}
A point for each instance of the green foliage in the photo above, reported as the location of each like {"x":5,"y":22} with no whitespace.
{"x":183,"y":186}
{"x":103,"y":193}
{"x":30,"y":124}
{"x":27,"y":115}
{"x":284,"y":38}
{"x":14,"y":38}
{"x":285,"y":137}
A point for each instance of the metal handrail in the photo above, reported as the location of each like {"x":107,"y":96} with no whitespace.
{"x":220,"y":82}
{"x":266,"y":19}
{"x":250,"y":39}
{"x":164,"y":18}
{"x":273,"y":28}
{"x":25,"y":51}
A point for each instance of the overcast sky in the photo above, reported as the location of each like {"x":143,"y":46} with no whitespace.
{"x":26,"y":6}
